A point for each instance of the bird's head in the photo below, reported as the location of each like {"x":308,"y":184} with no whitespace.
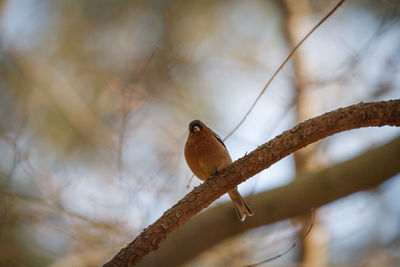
{"x":196,"y":126}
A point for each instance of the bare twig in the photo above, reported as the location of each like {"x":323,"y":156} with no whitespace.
{"x":190,"y":181}
{"x":294,"y":244}
{"x":281,"y":67}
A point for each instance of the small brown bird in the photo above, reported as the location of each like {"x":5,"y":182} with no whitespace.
{"x":206,"y":154}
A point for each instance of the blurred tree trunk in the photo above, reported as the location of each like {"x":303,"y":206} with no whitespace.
{"x":219,"y":223}
{"x":312,"y":253}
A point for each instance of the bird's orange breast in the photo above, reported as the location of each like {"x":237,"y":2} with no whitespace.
{"x":205,"y":155}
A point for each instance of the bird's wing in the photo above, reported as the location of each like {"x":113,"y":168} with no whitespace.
{"x":219,"y":139}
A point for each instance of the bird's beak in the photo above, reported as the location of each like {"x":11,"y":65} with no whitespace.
{"x":194,"y":129}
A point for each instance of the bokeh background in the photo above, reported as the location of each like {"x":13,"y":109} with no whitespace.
{"x":96,"y":96}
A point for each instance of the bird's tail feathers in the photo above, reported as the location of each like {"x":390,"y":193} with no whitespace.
{"x":242,"y":209}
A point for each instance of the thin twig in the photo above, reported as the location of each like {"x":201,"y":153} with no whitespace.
{"x":281,"y":67}
{"x":291,"y":247}
{"x":190,"y":181}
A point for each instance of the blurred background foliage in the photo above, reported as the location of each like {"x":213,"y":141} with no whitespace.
{"x":95,"y":98}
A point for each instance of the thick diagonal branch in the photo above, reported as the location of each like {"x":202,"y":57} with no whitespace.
{"x":308,"y":190}
{"x":356,"y":116}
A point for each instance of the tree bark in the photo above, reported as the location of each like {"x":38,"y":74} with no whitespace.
{"x":356,"y":116}
{"x":219,"y":223}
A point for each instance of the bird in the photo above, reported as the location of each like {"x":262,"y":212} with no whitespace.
{"x":206,"y":154}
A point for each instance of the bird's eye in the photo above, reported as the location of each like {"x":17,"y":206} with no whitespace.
{"x":196,"y":128}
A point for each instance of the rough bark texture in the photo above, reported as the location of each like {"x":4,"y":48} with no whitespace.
{"x":356,"y":116}
{"x":219,"y":222}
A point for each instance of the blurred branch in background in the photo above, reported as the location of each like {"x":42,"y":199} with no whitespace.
{"x":311,"y":249}
{"x":218,"y":220}
{"x":305,"y":133}
{"x":95,"y":98}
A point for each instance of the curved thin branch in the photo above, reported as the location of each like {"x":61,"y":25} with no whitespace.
{"x":281,"y":67}
{"x":356,"y":116}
